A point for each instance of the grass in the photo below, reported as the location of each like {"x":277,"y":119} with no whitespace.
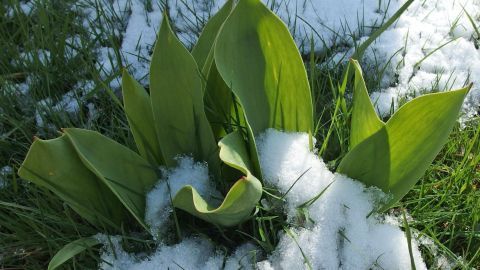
{"x":34,"y":224}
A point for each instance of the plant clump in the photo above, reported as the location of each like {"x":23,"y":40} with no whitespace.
{"x":225,"y":173}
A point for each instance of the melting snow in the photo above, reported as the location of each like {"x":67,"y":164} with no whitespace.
{"x":337,"y":234}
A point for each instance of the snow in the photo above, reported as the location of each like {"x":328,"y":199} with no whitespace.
{"x":5,"y":172}
{"x":336,"y":26}
{"x":433,"y":47}
{"x":26,"y":6}
{"x":188,"y":172}
{"x":139,"y":38}
{"x":69,"y":105}
{"x":191,"y":253}
{"x":40,"y":56}
{"x":336,"y":231}
{"x":341,"y":233}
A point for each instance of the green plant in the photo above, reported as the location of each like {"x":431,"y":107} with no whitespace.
{"x":244,"y":76}
{"x":395,"y":154}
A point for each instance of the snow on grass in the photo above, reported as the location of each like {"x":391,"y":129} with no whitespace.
{"x":328,"y":22}
{"x":139,"y":38}
{"x":191,"y":253}
{"x":335,"y":231}
{"x":341,"y":235}
{"x":433,"y":46}
{"x":188,"y":172}
{"x":5,"y":172}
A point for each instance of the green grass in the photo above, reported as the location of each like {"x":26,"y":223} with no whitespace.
{"x":34,"y":224}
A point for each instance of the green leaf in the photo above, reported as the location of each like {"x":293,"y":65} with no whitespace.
{"x":217,"y":95}
{"x":365,"y":121}
{"x":207,"y":38}
{"x":257,"y":57}
{"x":139,"y":113}
{"x":369,"y":161}
{"x":55,"y":164}
{"x":127,"y":175}
{"x":417,"y":133}
{"x":398,"y":154}
{"x":234,"y":153}
{"x":177,"y":102}
{"x":71,"y":250}
{"x":239,"y":201}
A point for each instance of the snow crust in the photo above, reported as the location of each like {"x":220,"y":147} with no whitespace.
{"x":336,"y":231}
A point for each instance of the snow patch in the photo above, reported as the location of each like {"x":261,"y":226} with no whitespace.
{"x":335,"y":231}
{"x":5,"y":172}
{"x":433,"y":46}
{"x":191,"y":253}
{"x":188,"y":172}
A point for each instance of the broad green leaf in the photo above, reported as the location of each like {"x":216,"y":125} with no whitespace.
{"x":257,"y":57}
{"x":239,"y":201}
{"x":417,"y":133}
{"x":207,"y":38}
{"x":177,"y":102}
{"x":218,"y":103}
{"x":217,"y":95}
{"x":139,"y":113}
{"x":55,"y":164}
{"x":365,"y":121}
{"x":71,"y":250}
{"x":127,"y":175}
{"x":398,"y":154}
{"x":369,"y":161}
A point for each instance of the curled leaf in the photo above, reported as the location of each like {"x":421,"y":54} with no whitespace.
{"x":239,"y":201}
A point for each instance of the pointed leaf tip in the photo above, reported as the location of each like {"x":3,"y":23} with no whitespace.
{"x":365,"y":121}
{"x":177,"y":102}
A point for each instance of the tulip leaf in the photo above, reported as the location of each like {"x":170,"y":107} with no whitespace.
{"x":258,"y":59}
{"x":139,"y":113}
{"x":207,"y":38}
{"x":177,"y":102}
{"x":71,"y":250}
{"x":127,"y":175}
{"x":217,"y":95}
{"x":239,"y":201}
{"x":55,"y":164}
{"x":394,"y":155}
{"x":365,"y":121}
{"x":369,"y":161}
{"x":417,"y":133}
